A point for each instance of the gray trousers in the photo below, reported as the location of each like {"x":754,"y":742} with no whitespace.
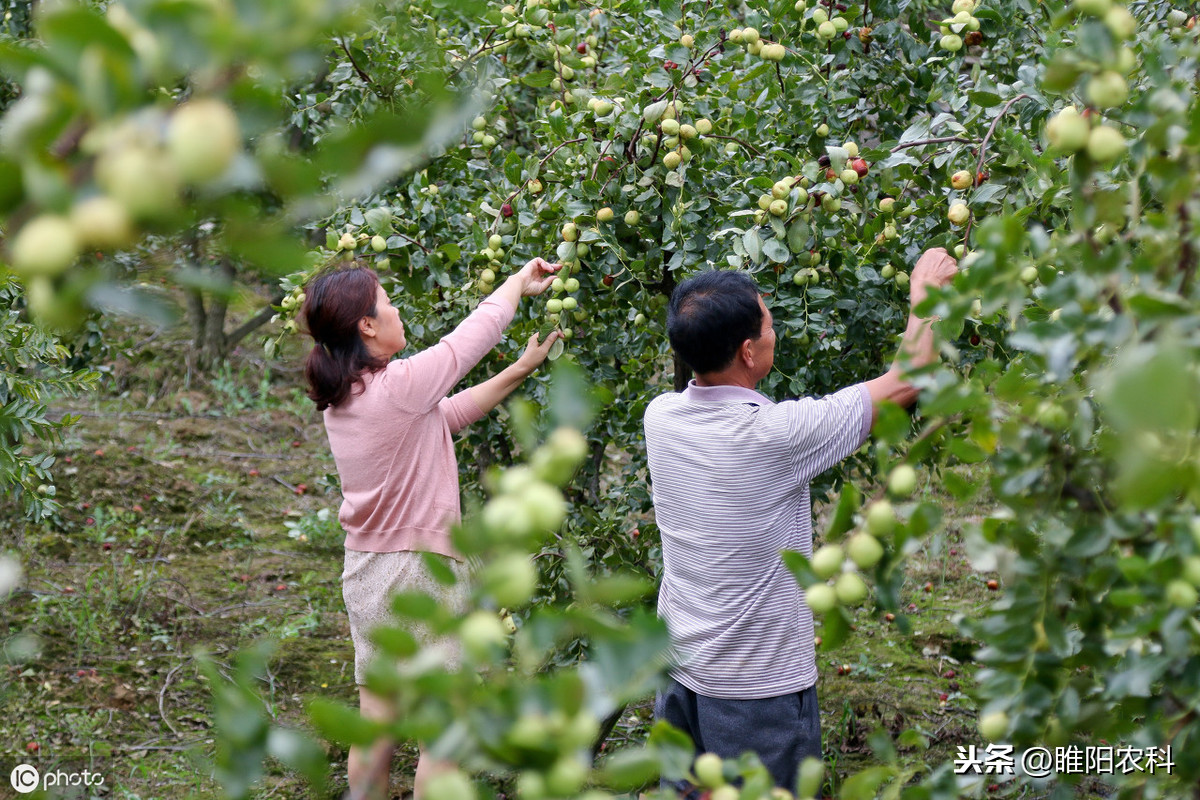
{"x":782,"y":730}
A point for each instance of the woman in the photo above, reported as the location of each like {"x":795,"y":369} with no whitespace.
{"x":389,"y":425}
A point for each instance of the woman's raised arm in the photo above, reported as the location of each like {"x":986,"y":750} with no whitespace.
{"x":428,"y":376}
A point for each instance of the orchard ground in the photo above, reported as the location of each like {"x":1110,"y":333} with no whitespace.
{"x":199,"y":513}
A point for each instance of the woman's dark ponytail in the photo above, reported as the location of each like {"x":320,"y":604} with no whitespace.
{"x":334,"y":303}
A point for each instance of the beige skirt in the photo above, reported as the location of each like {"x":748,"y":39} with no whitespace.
{"x":368,"y":582}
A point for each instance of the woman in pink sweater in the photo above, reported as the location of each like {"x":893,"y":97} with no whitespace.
{"x":389,"y":424}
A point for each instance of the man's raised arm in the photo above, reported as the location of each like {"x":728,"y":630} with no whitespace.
{"x":935,"y":268}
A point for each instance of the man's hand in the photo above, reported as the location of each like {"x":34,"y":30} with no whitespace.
{"x":936,"y":267}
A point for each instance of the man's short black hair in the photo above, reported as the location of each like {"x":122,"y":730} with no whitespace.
{"x":709,"y":317}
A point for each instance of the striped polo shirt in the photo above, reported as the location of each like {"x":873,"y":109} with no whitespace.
{"x":729,"y":472}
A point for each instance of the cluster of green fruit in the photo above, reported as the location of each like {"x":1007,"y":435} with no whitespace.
{"x":492,"y":254}
{"x":294,"y":300}
{"x":1114,"y":15}
{"x":1180,"y":23}
{"x":755,"y":45}
{"x":807,"y":276}
{"x":837,"y":567}
{"x":676,"y":135}
{"x":602,"y":108}
{"x":1182,"y":592}
{"x":480,"y":136}
{"x":709,"y":773}
{"x":826,"y":28}
{"x":1070,"y":132}
{"x":557,"y":741}
{"x":349,"y":242}
{"x":963,"y":21}
{"x":581,"y":55}
{"x":556,"y":306}
{"x":862,"y":551}
{"x":787,"y":191}
{"x":140,"y":169}
{"x":519,"y":26}
{"x":889,"y":207}
{"x":528,"y":504}
{"x":561,"y":742}
{"x":796,"y":189}
{"x":564,"y":282}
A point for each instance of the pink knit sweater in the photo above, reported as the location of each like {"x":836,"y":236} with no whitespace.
{"x":392,"y":444}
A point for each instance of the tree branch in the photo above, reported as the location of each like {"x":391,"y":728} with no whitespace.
{"x":744,"y":144}
{"x":1187,"y":255}
{"x":414,"y":241}
{"x":938,"y":140}
{"x":983,"y":155}
{"x":361,"y":72}
{"x":247,"y":327}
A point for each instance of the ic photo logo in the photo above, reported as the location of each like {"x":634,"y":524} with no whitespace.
{"x":24,"y":778}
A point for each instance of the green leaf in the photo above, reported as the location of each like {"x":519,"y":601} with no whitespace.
{"x":984,"y":99}
{"x":395,"y":641}
{"x":298,"y":751}
{"x":797,"y":236}
{"x":843,"y":515}
{"x":653,"y":112}
{"x":566,"y":251}
{"x":776,"y":250}
{"x":539,"y":80}
{"x":798,"y":565}
{"x":864,"y":785}
{"x":379,"y":220}
{"x":753,"y":244}
{"x":342,"y":724}
{"x":630,"y":769}
{"x":416,"y":605}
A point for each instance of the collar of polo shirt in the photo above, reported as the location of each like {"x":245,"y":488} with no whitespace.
{"x":725,"y":393}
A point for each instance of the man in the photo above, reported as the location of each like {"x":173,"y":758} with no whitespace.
{"x":730,"y":473}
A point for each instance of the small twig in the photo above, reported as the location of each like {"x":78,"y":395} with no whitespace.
{"x":361,"y":73}
{"x":992,"y":129}
{"x":238,"y":607}
{"x":938,"y":140}
{"x":282,"y":482}
{"x":603,"y":151}
{"x":1187,"y":255}
{"x":270,"y":704}
{"x":983,"y":154}
{"x":743,"y":143}
{"x":185,"y":746}
{"x":184,"y":451}
{"x":162,"y":695}
{"x":466,"y":59}
{"x":547,"y":158}
{"x":414,"y":241}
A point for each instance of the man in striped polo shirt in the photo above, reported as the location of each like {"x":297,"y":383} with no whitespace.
{"x":730,"y":472}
